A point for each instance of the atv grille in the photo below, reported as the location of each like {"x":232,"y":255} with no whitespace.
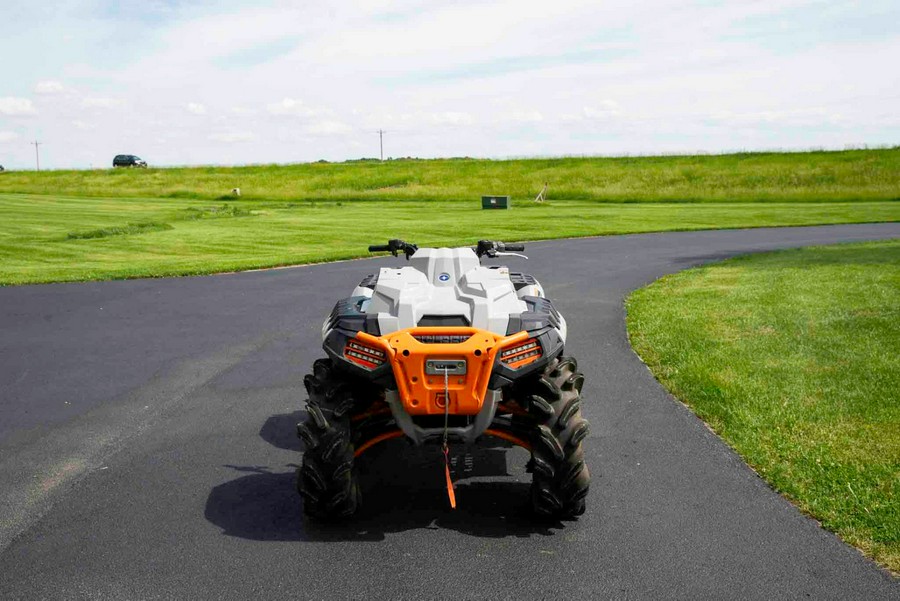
{"x":438,"y":339}
{"x":444,"y":321}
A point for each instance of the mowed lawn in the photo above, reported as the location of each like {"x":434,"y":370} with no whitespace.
{"x":64,"y":238}
{"x":794,"y":359}
{"x":868,"y":175}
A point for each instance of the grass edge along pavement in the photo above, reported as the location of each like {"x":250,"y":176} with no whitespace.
{"x":57,"y":238}
{"x":792,"y":358}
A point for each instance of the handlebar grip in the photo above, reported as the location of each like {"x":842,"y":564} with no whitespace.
{"x":514,"y":246}
{"x":379,"y":248}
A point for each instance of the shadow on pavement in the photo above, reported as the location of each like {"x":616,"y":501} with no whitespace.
{"x":281,"y":430}
{"x":403,"y":489}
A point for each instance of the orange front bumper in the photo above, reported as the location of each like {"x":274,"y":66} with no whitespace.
{"x":415,"y":352}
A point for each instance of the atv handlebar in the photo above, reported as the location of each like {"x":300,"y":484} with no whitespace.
{"x":490,"y":248}
{"x":485,"y":248}
{"x":395,"y":247}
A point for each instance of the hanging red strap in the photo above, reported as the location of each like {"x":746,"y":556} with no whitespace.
{"x":450,"y":493}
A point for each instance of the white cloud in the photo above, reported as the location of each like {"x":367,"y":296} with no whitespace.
{"x":451,"y":118}
{"x":196,"y":108}
{"x":292,"y":107}
{"x":328,"y":128}
{"x":798,"y":118}
{"x":8,"y":136}
{"x":602,"y":110}
{"x":524,"y":116}
{"x":416,"y":120}
{"x":493,"y":78}
{"x":101,"y":102}
{"x":17,"y":107}
{"x":83,"y":126}
{"x":232,"y":137}
{"x":49,"y":87}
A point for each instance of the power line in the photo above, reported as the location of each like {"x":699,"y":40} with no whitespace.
{"x":37,"y":155}
{"x":381,"y":133}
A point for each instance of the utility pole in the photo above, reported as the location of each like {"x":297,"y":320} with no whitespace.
{"x":381,"y":143}
{"x":37,"y":156}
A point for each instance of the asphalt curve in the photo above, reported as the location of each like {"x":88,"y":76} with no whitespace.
{"x":147,"y":450}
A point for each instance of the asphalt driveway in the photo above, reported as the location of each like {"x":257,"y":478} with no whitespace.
{"x":147,"y":450}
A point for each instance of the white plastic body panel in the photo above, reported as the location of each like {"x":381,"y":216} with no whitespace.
{"x":362,"y":291}
{"x":531,"y":290}
{"x":445,"y":281}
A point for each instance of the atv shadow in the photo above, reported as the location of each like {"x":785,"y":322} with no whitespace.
{"x":281,"y":430}
{"x":403,"y":489}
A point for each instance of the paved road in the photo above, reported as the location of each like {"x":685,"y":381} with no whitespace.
{"x":147,"y":451}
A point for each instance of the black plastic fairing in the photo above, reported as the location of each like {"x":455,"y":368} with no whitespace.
{"x":348,"y":315}
{"x":520,"y":280}
{"x":369,"y":281}
{"x":346,"y":320}
{"x":334,"y":346}
{"x":540,"y":314}
{"x":551,"y":346}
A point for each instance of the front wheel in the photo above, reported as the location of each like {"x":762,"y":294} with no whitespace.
{"x":560,"y":477}
{"x":326,"y":479}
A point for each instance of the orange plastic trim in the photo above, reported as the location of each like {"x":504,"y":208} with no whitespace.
{"x":373,"y":412}
{"x":399,"y":434}
{"x":423,"y":394}
{"x":508,"y":408}
{"x":508,"y":437}
{"x":374,"y":441}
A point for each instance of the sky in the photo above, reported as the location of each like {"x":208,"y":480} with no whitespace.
{"x":228,"y":83}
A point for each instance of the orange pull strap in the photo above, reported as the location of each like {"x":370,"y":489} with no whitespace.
{"x":450,"y":493}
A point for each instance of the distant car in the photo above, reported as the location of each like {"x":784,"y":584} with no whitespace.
{"x":129,"y":160}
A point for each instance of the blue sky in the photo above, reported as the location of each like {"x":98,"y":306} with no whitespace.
{"x":232,"y":83}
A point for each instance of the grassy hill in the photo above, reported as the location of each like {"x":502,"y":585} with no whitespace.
{"x":89,"y":225}
{"x":855,"y":175}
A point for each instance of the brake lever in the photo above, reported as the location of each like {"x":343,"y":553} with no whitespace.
{"x":507,"y":254}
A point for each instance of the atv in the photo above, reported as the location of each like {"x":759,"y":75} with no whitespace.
{"x":444,"y":350}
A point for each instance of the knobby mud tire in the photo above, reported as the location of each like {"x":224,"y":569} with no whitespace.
{"x":560,"y":477}
{"x":326,"y":478}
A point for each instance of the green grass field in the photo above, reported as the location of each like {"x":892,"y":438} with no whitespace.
{"x":87,"y":225}
{"x":60,"y":238}
{"x":868,"y":175}
{"x":792,"y":357}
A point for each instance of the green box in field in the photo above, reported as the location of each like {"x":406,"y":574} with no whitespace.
{"x":495,"y":202}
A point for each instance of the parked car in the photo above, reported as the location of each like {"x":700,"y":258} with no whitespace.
{"x":129,"y":160}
